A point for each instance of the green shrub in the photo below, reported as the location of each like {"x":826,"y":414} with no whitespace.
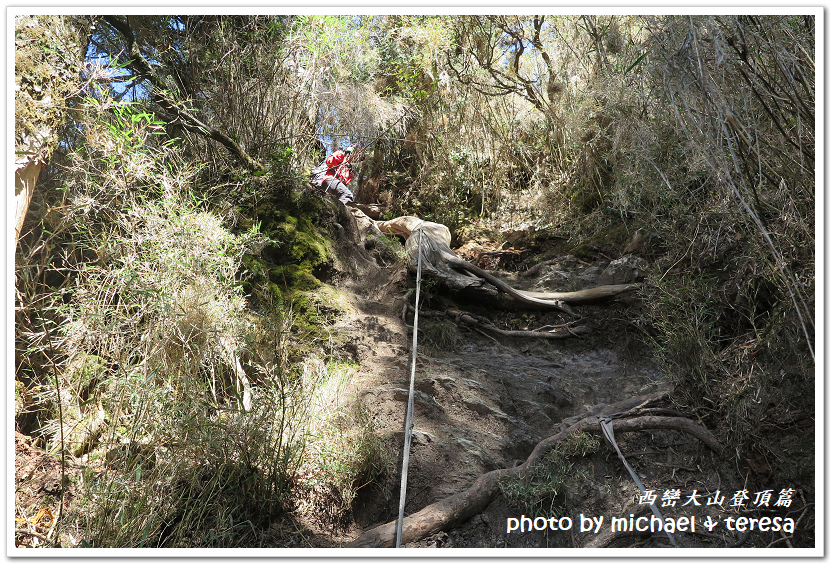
{"x":183,"y":400}
{"x":545,"y":490}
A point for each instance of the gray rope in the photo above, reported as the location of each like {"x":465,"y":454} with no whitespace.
{"x":410,"y":406}
{"x":608,"y":430}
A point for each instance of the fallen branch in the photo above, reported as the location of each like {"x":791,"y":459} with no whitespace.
{"x":607,"y":537}
{"x":461,"y":506}
{"x":472,"y":321}
{"x":32,"y":534}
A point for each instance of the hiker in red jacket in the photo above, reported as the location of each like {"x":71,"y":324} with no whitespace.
{"x":339,"y":174}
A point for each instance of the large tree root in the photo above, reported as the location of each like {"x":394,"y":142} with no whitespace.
{"x":607,"y":537}
{"x":441,"y":263}
{"x":461,"y":506}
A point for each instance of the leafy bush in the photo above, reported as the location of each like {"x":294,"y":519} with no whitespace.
{"x":194,"y":418}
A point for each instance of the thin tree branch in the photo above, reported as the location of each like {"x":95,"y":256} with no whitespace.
{"x":141,"y":67}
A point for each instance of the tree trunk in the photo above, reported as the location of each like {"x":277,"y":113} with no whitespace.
{"x":25,"y":179}
{"x":47,"y":59}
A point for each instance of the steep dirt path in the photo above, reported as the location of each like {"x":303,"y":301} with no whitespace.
{"x":484,"y":402}
{"x":486,"y":406}
{"x":481,"y":405}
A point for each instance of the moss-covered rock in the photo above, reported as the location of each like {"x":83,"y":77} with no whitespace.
{"x":290,"y":272}
{"x":297,"y":249}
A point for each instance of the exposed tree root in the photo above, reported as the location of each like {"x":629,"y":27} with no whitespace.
{"x":461,"y":506}
{"x":441,"y":263}
{"x":438,"y":516}
{"x":588,"y":295}
{"x":607,"y":537}
{"x":474,"y":321}
{"x":477,"y":323}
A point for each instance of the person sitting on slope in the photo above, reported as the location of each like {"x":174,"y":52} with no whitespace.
{"x":339,"y":174}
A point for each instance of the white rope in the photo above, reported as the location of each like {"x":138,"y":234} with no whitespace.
{"x":608,"y":431}
{"x":410,"y":406}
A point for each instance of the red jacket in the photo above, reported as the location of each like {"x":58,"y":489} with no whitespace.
{"x":342,"y":173}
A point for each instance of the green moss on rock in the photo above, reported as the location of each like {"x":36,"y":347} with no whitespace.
{"x":288,"y":272}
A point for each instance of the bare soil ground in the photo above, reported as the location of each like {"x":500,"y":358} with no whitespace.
{"x":37,"y":493}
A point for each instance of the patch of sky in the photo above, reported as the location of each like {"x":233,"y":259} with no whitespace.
{"x":176,"y":24}
{"x":326,"y":132}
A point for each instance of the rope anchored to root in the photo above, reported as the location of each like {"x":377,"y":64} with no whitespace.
{"x":441,"y":263}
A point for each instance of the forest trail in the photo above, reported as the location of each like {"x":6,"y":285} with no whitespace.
{"x":483,"y":404}
{"x":210,"y":353}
